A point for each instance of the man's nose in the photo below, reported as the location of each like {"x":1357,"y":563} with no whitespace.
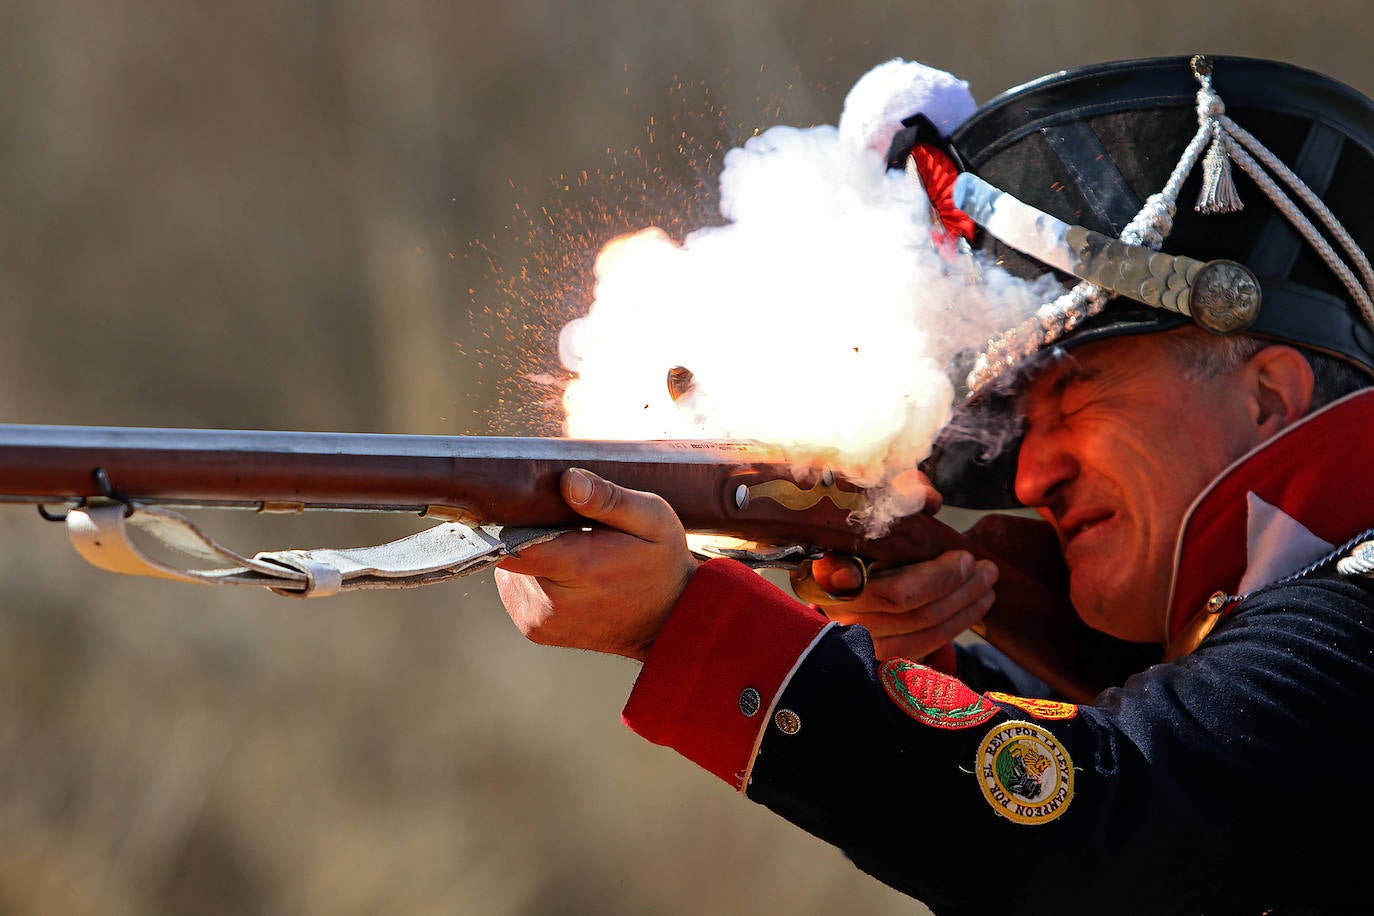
{"x":1043,"y":467}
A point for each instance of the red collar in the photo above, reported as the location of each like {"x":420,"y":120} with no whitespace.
{"x":1313,"y":471}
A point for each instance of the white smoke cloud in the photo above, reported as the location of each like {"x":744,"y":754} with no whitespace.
{"x":820,"y":317}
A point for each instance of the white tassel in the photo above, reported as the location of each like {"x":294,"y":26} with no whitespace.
{"x":1218,"y":194}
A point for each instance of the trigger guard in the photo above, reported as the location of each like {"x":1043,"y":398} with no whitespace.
{"x":805,"y":586}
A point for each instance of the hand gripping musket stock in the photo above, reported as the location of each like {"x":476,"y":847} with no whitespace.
{"x":490,"y":496}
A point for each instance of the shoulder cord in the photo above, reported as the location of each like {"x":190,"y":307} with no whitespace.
{"x":1238,"y":141}
{"x":1203,"y":623}
{"x":1356,"y":558}
{"x":1360,"y":562}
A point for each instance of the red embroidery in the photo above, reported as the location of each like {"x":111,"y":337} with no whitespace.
{"x":933,"y":698}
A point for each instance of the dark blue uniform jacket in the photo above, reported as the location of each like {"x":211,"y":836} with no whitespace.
{"x":1226,"y":780}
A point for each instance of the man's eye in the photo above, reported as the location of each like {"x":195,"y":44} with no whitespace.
{"x":1073,"y":402}
{"x":1076,"y":390}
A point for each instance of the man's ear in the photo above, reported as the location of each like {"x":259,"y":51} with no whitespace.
{"x":1281,"y":384}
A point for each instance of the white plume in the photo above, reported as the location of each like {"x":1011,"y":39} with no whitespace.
{"x":884,"y":96}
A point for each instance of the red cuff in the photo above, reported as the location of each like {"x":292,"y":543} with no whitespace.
{"x":732,"y":630}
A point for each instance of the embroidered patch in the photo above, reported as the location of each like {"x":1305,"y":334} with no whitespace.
{"x":934,"y":698}
{"x":1024,"y":773}
{"x":1041,"y":709}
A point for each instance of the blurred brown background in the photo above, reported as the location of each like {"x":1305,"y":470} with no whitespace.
{"x":374,"y":217}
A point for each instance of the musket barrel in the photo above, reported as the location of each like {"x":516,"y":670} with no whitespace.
{"x":744,"y":489}
{"x":488,"y":479}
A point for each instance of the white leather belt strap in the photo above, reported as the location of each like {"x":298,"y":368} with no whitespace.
{"x":101,"y":534}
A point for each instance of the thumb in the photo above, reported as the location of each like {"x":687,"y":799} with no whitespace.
{"x":644,"y":515}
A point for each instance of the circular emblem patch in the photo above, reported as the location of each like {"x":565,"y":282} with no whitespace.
{"x":933,"y":698}
{"x":1041,"y":709}
{"x":1024,"y":773}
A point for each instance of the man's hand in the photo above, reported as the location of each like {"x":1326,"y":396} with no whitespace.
{"x":911,"y":611}
{"x":609,"y":589}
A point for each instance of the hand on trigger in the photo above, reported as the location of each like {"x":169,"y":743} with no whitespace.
{"x":608,"y":589}
{"x":911,"y":611}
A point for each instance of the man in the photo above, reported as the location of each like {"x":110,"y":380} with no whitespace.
{"x":1206,"y":491}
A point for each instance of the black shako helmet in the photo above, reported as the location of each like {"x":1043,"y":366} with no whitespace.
{"x":1089,"y":147}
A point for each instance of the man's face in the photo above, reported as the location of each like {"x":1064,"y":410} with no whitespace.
{"x":1118,"y":445}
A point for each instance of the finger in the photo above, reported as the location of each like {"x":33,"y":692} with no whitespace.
{"x":645,"y":515}
{"x":838,"y":575}
{"x":527,"y":564}
{"x":525,"y":601}
{"x":933,"y":616}
{"x":896,"y":591}
{"x":922,"y":643}
{"x":550,"y":558}
{"x":956,"y":604}
{"x":596,"y":556}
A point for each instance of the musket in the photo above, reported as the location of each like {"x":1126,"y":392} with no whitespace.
{"x":489,"y":497}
